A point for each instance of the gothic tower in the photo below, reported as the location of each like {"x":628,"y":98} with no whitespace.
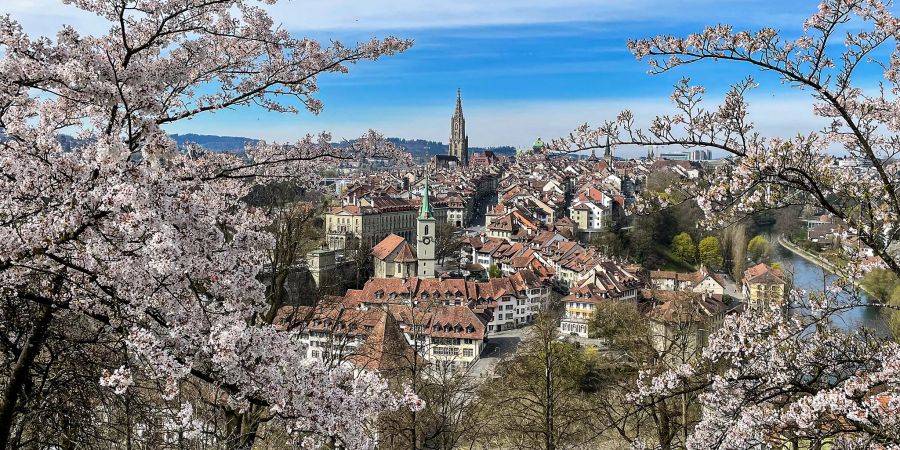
{"x":425,"y":237}
{"x":459,"y":142}
{"x":608,"y":155}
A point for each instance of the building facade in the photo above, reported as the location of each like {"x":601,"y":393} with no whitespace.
{"x":764,"y":285}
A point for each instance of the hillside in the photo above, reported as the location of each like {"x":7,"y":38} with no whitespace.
{"x":419,"y":148}
{"x":231,"y":144}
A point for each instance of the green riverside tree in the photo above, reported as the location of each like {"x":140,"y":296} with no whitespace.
{"x":758,"y":248}
{"x":711,"y":252}
{"x":881,"y":284}
{"x":684,"y":248}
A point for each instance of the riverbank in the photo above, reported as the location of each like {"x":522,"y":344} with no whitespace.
{"x":817,"y":260}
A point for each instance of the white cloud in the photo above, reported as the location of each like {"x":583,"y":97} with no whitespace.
{"x":45,"y":16}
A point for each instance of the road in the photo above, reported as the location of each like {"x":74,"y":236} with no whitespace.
{"x":500,"y":345}
{"x":733,"y":290}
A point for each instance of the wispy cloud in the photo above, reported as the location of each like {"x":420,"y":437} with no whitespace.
{"x":45,"y":16}
{"x":528,"y":68}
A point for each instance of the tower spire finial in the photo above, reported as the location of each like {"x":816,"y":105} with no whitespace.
{"x":425,"y":211}
{"x":458,"y":101}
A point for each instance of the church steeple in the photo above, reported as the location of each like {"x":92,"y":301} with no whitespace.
{"x":607,"y":155}
{"x":425,"y":211}
{"x":426,"y":236}
{"x":459,"y":142}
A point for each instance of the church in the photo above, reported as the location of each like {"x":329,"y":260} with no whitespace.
{"x":394,"y":257}
{"x":458,"y":154}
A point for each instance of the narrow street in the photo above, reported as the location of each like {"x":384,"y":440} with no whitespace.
{"x":500,"y":345}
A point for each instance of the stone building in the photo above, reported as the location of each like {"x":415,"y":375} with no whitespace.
{"x":394,"y":257}
{"x":764,"y":285}
{"x":350,"y":225}
{"x":459,"y":142}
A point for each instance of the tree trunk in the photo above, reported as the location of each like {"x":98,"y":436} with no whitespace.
{"x":243,"y":428}
{"x":20,"y":372}
{"x":548,"y":401}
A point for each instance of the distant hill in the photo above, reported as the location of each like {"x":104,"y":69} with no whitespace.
{"x":419,"y":148}
{"x":219,"y":144}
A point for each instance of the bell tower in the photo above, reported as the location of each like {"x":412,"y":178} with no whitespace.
{"x":459,"y":142}
{"x":425,"y":236}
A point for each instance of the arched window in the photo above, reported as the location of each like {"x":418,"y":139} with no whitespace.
{"x":426,"y":229}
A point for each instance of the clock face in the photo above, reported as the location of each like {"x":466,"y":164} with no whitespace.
{"x":426,"y":240}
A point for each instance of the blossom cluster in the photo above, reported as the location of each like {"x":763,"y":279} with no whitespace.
{"x":155,"y":243}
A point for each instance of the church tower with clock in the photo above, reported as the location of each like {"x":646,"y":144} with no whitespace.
{"x":425,"y":237}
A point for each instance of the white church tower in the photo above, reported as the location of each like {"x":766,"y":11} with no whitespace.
{"x":425,"y":237}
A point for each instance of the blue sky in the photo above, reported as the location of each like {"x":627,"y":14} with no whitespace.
{"x":527,"y":68}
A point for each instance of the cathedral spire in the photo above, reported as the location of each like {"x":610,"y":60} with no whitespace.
{"x":459,"y":142}
{"x":607,"y":155}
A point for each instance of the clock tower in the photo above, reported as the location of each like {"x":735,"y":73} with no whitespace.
{"x":425,"y":237}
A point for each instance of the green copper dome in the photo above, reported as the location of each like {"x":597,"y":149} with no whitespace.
{"x":538,"y":144}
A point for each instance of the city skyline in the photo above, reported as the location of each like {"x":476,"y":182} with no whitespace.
{"x":525,"y":72}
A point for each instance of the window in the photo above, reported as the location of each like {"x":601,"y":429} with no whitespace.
{"x":426,"y":229}
{"x":467,"y":352}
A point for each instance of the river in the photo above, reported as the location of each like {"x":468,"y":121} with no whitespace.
{"x":813,"y":278}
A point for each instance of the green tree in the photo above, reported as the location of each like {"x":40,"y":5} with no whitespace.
{"x":711,"y":252}
{"x":881,"y":283}
{"x":894,"y":319}
{"x":759,"y":248}
{"x":494,"y":271}
{"x":684,"y":248}
{"x":609,"y":243}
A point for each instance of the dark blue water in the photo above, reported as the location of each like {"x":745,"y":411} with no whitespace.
{"x":813,"y":278}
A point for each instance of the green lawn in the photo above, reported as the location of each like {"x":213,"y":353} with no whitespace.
{"x":673,"y":263}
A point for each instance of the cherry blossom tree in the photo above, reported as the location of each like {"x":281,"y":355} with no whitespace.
{"x":788,"y":378}
{"x":152,"y":247}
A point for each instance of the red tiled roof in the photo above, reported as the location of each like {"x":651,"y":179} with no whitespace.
{"x":387,"y":246}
